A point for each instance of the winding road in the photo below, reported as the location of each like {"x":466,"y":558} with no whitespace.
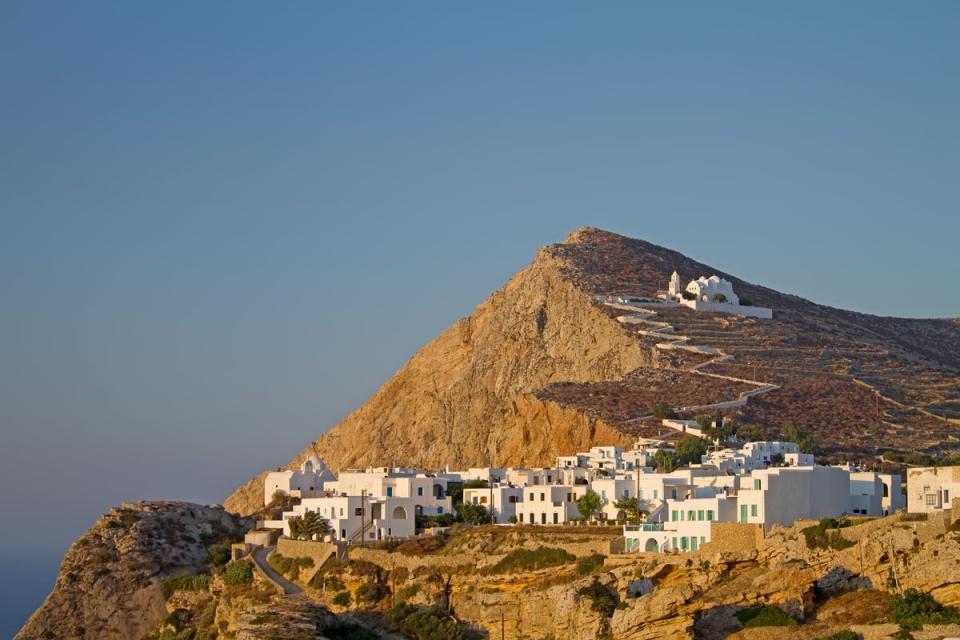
{"x":264,"y":568}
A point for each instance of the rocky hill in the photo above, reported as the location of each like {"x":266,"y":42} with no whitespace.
{"x":543,"y":368}
{"x":110,"y":584}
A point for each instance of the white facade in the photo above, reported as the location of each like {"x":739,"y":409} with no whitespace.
{"x":553,"y":504}
{"x":353,"y":518}
{"x":306,"y":482}
{"x":428,"y":491}
{"x":500,"y":500}
{"x":712,"y":288}
{"x":757,"y":455}
{"x":931,"y":489}
{"x":784,"y":495}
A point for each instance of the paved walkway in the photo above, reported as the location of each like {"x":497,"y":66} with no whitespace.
{"x":260,"y":559}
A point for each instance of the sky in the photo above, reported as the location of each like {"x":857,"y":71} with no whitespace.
{"x":224,"y":225}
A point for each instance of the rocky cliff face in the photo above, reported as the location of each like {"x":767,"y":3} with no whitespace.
{"x":541,"y":369}
{"x":109,"y":586}
{"x":467,"y":398}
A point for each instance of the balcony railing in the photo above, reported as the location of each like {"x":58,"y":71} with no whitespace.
{"x":645,"y":526}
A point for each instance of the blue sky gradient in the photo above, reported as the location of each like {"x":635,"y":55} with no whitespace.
{"x":224,"y":225}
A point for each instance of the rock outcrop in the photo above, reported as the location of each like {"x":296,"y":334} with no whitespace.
{"x":110,"y":581}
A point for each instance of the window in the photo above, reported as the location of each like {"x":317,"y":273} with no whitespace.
{"x":483,"y":499}
{"x":640,"y":494}
{"x":358,"y":511}
{"x":700,"y":514}
{"x":756,"y":483}
{"x":549,"y":479}
{"x":743,"y":513}
{"x":710,"y":515}
{"x":931,"y":500}
{"x":556,"y":518}
{"x":389,"y":492}
{"x":541,"y":497}
{"x":684,"y":543}
{"x":626,"y":493}
{"x":655,"y":494}
{"x":512,"y":499}
{"x":703,"y":539}
{"x":603,"y":494}
{"x":531,"y":497}
{"x":691,"y":515}
{"x":543,"y":518}
{"x":674,"y":518}
{"x":674,"y":543}
{"x":946,"y":496}
{"x":693,"y":543}
{"x":753,"y":510}
{"x":531,"y":518}
{"x":439,"y":510}
{"x":419,"y":491}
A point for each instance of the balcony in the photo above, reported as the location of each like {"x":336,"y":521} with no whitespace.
{"x":644,"y":526}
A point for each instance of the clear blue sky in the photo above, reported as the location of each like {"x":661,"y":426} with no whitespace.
{"x":224,"y":225}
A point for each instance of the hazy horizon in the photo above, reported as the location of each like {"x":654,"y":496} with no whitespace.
{"x":209,"y":211}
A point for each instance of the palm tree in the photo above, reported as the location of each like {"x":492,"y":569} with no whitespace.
{"x":314,"y":525}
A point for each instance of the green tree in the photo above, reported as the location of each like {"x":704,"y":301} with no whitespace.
{"x":588,"y":504}
{"x":719,"y":297}
{"x":690,"y":450}
{"x":662,"y":410}
{"x":629,"y":506}
{"x":664,"y":461}
{"x":792,"y":432}
{"x":473,"y":513}
{"x":312,"y":526}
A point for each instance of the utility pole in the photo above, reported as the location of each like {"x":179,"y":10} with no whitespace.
{"x":363,"y":515}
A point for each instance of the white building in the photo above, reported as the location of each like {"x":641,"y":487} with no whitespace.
{"x":711,"y":294}
{"x":931,"y":489}
{"x":499,"y":499}
{"x":757,"y":455}
{"x":306,"y":482}
{"x":712,"y":289}
{"x":552,"y":504}
{"x":354,"y":517}
{"x":428,"y":491}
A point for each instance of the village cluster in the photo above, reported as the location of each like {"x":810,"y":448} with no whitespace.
{"x":762,"y":483}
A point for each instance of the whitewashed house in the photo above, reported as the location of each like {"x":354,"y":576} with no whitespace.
{"x":306,"y":482}
{"x":428,"y":491}
{"x":354,"y":518}
{"x":931,"y":489}
{"x":500,"y":500}
{"x":551,"y":504}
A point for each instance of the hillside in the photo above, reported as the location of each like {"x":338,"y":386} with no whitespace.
{"x":542,"y":368}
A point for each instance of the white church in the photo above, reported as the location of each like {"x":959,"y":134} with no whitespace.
{"x":711,"y":294}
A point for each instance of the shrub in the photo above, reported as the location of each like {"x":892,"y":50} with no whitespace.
{"x":321,"y":580}
{"x":187,"y":582}
{"x":604,"y":599}
{"x":407,"y":592}
{"x":238,"y":572}
{"x":817,"y":536}
{"x":423,"y":623}
{"x":529,"y":560}
{"x":288,"y":567}
{"x":915,"y":608}
{"x":342,"y":599}
{"x":372,"y":592}
{"x":662,"y":410}
{"x":765,"y":616}
{"x":218,"y":554}
{"x":473,"y":513}
{"x":587,"y":564}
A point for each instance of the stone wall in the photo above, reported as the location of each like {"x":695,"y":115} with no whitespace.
{"x":316,"y":551}
{"x":727,"y":537}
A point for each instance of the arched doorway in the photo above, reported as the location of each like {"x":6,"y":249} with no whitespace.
{"x":652,"y":546}
{"x":399,"y":513}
